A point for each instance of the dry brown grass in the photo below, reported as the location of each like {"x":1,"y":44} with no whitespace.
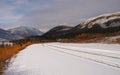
{"x":92,"y":38}
{"x":118,"y":40}
{"x":7,"y":52}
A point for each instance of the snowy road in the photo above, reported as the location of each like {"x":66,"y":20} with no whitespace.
{"x":66,"y":59}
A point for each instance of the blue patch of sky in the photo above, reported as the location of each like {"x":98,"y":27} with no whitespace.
{"x":2,"y":21}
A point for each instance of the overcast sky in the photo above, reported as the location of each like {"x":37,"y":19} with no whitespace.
{"x":45,"y":14}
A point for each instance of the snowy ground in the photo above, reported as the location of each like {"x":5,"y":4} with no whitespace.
{"x":66,"y":59}
{"x":110,"y":39}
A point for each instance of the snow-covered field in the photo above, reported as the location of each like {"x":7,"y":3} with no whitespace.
{"x":66,"y":59}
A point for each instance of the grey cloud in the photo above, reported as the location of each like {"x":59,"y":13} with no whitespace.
{"x":45,"y":15}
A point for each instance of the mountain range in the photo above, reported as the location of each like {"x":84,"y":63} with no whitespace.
{"x":106,"y":25}
{"x":19,"y":33}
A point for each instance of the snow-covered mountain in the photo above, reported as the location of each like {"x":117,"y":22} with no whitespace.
{"x":104,"y":21}
{"x":6,"y":35}
{"x":25,"y":31}
{"x":101,"y":24}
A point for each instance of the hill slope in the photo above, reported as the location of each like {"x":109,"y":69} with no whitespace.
{"x":57,"y":32}
{"x":103,"y":23}
{"x":106,"y":25}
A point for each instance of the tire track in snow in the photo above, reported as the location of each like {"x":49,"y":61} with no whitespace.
{"x":115,"y":57}
{"x":88,"y":58}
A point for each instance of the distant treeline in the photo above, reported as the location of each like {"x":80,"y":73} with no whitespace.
{"x":33,"y":39}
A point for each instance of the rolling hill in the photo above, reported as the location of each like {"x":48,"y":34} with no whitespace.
{"x":106,"y":25}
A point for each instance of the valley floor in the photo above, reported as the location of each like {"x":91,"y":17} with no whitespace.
{"x":66,"y":59}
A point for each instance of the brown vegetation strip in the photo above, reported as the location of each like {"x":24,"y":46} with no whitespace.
{"x":8,"y":52}
{"x":92,"y":38}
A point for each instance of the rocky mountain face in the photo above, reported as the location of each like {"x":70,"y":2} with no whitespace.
{"x":25,"y":31}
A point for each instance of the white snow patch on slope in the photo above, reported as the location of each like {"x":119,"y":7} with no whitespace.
{"x":112,"y":38}
{"x":102,"y":19}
